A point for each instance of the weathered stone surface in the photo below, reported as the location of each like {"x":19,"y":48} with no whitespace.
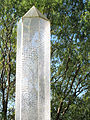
{"x":33,"y":67}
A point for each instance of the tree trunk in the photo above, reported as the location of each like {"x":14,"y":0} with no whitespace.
{"x":59,"y":110}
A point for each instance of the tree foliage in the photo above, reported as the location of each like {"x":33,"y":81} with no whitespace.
{"x":69,"y":56}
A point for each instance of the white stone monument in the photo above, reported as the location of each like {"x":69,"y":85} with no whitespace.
{"x":33,"y":67}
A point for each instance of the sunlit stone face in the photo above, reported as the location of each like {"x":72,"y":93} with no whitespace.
{"x":33,"y":68}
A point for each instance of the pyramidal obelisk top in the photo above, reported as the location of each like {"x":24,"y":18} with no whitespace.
{"x":34,"y":12}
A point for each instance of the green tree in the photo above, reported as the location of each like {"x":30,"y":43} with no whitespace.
{"x":7,"y":56}
{"x":79,"y":110}
{"x":69,"y":54}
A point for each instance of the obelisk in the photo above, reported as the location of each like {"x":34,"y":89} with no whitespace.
{"x":33,"y":67}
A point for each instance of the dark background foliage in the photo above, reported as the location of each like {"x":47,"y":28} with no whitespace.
{"x":70,"y":85}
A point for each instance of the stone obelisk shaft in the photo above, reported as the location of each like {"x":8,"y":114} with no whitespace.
{"x":33,"y":67}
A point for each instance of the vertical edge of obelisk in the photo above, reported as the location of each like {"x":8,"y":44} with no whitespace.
{"x":47,"y":72}
{"x":18,"y":70}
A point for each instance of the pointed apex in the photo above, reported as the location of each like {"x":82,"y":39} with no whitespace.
{"x":34,"y":12}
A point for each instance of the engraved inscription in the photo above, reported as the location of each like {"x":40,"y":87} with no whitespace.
{"x":33,"y":69}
